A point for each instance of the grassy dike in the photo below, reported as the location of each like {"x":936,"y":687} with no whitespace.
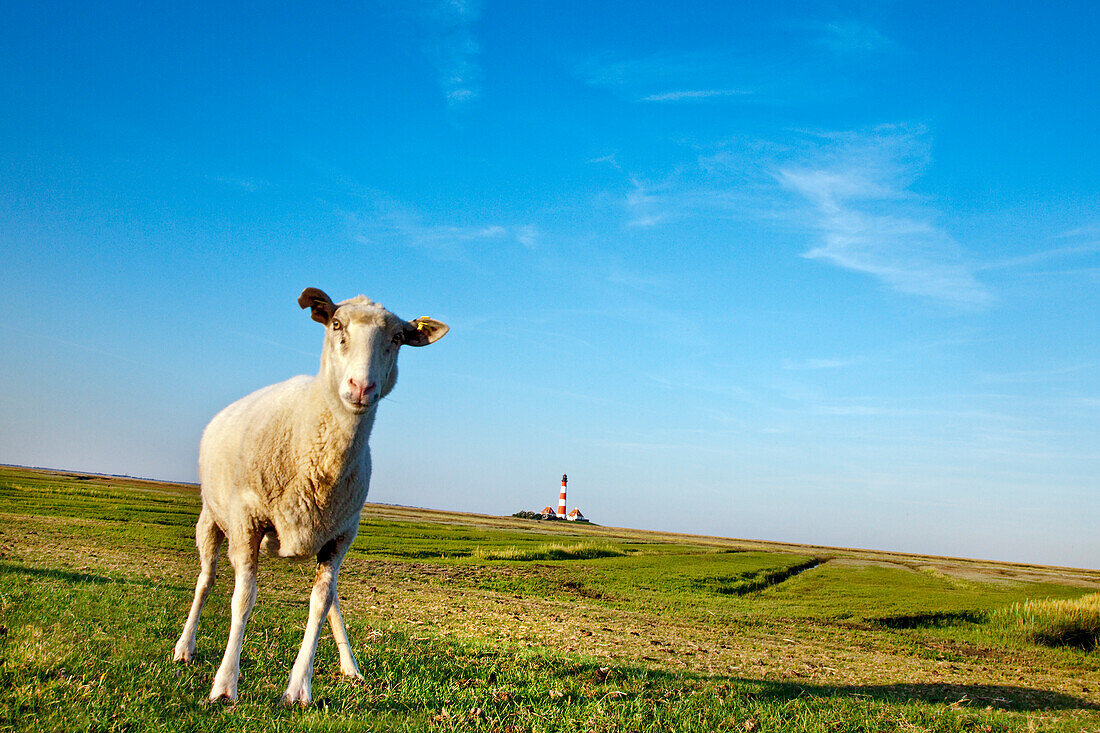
{"x":466,"y":622}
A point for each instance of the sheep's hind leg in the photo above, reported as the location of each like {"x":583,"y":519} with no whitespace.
{"x":348,"y":666}
{"x":208,"y":539}
{"x":320,"y":603}
{"x":243,"y":556}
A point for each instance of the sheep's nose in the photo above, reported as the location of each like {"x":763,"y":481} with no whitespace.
{"x":359,"y":390}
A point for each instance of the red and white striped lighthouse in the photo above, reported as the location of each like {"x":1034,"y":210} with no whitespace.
{"x":561,"y":499}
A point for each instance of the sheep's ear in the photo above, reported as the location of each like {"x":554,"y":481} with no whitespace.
{"x":424,"y":331}
{"x":321,"y":305}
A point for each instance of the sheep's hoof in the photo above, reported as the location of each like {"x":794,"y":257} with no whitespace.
{"x":223,"y":691}
{"x":290,"y":700}
{"x":183,"y":656}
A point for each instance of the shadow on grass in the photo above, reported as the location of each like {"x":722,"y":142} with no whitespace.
{"x":999,"y":697}
{"x":65,"y":575}
{"x":936,"y":620}
{"x":69,"y":576}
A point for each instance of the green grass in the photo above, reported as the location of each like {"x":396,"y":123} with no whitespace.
{"x":465,"y":623}
{"x":103,"y":664}
{"x":749,"y":581}
{"x":886,"y":592}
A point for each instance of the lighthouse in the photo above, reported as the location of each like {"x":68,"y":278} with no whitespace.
{"x":561,"y":499}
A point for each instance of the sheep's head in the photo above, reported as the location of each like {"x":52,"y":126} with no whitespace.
{"x":359,"y":357}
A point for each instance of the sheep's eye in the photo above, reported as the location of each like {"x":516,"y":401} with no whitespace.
{"x":398,"y":338}
{"x":336,"y":325}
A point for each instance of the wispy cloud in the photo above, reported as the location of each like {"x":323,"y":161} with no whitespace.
{"x":786,"y":73}
{"x":853,"y":194}
{"x":857,"y":186}
{"x":609,"y":159}
{"x":853,"y":36}
{"x":714,"y":185}
{"x":1034,"y":258}
{"x":668,"y":77}
{"x":452,"y":49}
{"x":853,"y":191}
{"x":1041,"y":376}
{"x":693,"y":95}
{"x":387,"y":221}
{"x":33,"y":334}
{"x":645,"y":283}
{"x":249,"y":185}
{"x":447,"y":236}
{"x":527,"y":235}
{"x":645,"y":202}
{"x":813,"y":364}
{"x":870,"y":407}
{"x":706,"y":384}
{"x":1087,"y":230}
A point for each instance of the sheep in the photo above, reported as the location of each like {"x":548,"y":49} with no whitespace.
{"x":286,"y":470}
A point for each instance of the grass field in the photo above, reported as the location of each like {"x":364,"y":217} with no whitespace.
{"x":470,"y":622}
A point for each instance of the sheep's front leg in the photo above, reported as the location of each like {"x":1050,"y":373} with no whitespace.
{"x":320,"y":603}
{"x":244,"y":557}
{"x":348,"y":666}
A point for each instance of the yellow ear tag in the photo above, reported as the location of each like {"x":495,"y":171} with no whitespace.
{"x":420,"y":325}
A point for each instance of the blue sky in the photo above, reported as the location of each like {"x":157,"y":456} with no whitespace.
{"x":817,"y":272}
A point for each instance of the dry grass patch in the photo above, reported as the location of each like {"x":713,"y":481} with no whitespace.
{"x":1072,"y":623}
{"x":553,"y":551}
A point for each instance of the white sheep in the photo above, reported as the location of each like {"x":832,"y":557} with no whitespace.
{"x":286,"y":469}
